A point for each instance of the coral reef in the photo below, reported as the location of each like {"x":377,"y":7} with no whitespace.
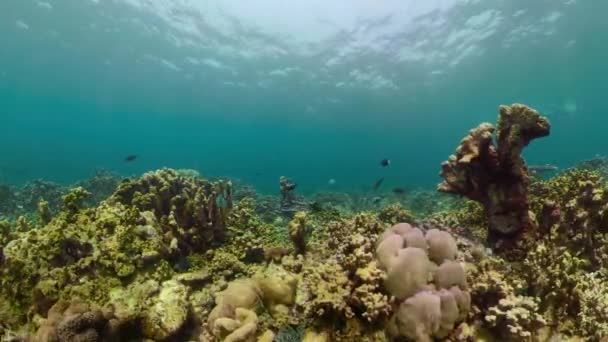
{"x":170,"y":256}
{"x":31,"y":193}
{"x":495,"y":174}
{"x":7,"y":200}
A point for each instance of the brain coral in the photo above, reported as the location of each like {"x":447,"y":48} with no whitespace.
{"x":426,"y":280}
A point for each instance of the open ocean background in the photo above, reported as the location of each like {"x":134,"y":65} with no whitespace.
{"x":313,"y":90}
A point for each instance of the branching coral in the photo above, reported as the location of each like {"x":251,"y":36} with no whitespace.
{"x":573,"y":219}
{"x":395,"y":213}
{"x":299,"y":231}
{"x":496,"y":175}
{"x":593,"y":315}
{"x":516,"y":318}
{"x":194,"y":210}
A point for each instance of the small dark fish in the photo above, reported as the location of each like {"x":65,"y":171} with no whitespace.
{"x":542,"y":168}
{"x":378,"y":183}
{"x":131,"y":158}
{"x":399,"y":191}
{"x":385,"y":162}
{"x":291,"y":186}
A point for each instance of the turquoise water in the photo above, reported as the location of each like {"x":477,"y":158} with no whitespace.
{"x":259,"y":89}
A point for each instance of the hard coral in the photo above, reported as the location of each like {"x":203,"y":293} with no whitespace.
{"x":496,"y":175}
{"x":299,"y":231}
{"x":191,"y":207}
{"x":167,"y":313}
{"x":516,"y":318}
{"x":423,"y":310}
{"x":573,"y":219}
{"x":75,"y":322}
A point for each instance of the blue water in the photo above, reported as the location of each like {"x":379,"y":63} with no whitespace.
{"x":310,"y":90}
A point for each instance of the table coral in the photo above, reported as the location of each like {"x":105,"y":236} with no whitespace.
{"x":495,"y":174}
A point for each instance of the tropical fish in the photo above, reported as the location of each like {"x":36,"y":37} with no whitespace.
{"x":131,"y":157}
{"x":385,"y":162}
{"x":378,"y":183}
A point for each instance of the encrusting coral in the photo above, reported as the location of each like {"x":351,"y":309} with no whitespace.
{"x":495,"y":174}
{"x":75,"y":321}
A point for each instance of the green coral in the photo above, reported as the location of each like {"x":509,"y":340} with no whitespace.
{"x":87,"y":252}
{"x":395,"y":213}
{"x":593,"y":317}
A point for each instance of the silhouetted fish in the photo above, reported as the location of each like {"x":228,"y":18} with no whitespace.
{"x":131,"y":158}
{"x":385,"y":162}
{"x":399,"y":191}
{"x":378,"y":183}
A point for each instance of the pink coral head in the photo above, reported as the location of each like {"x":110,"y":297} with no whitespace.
{"x":388,"y":249}
{"x":398,"y":229}
{"x":401,"y":228}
